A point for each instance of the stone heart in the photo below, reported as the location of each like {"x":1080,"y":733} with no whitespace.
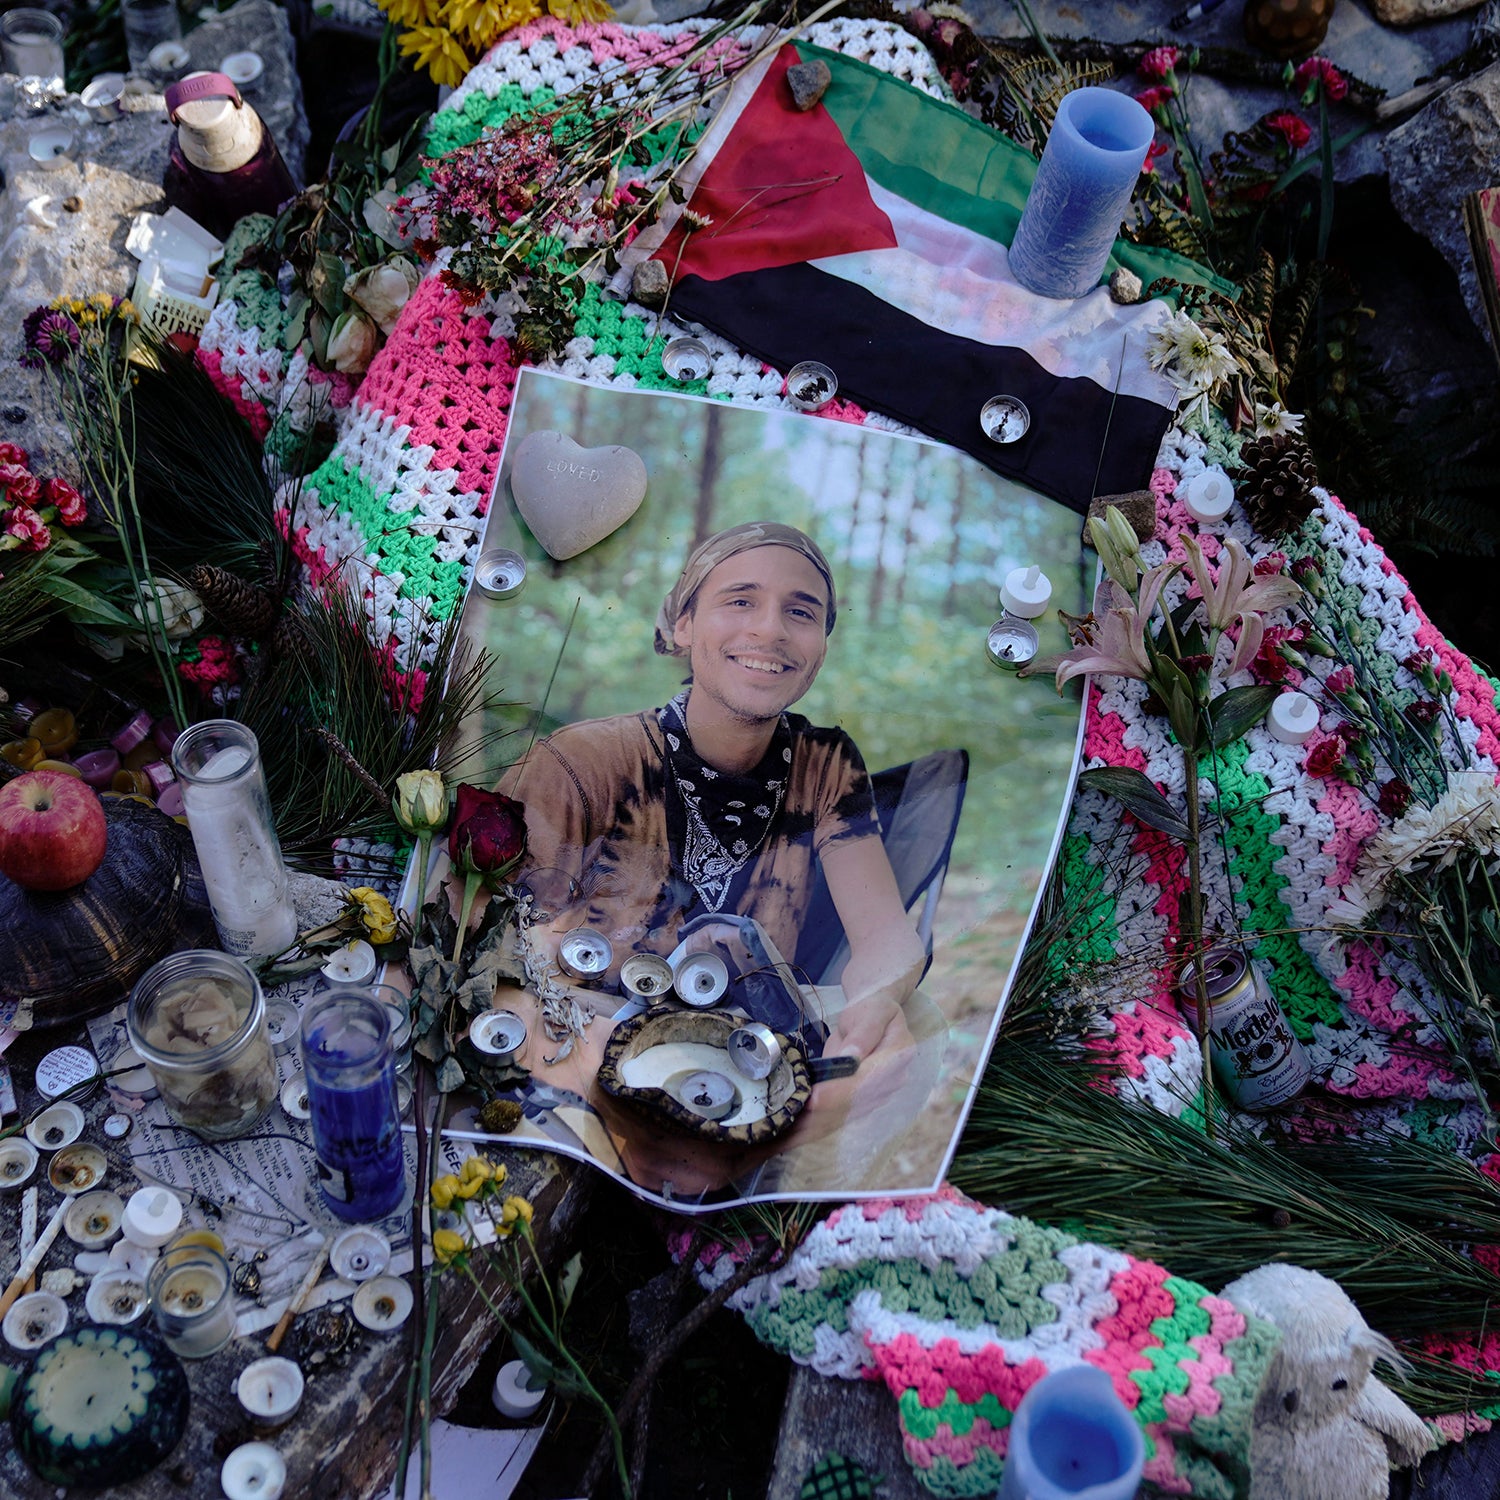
{"x":572,"y":497}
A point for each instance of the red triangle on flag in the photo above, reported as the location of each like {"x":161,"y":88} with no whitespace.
{"x":783,"y":188}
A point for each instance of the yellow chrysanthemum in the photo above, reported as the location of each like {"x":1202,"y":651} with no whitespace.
{"x":448,"y":1245}
{"x":576,"y":11}
{"x":127,"y":309}
{"x":483,"y":22}
{"x":102,"y":300}
{"x":413,"y":12}
{"x":438,"y":51}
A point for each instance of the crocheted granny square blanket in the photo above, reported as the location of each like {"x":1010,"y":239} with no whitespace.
{"x":956,"y":1306}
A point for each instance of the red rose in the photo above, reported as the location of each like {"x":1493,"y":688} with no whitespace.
{"x":71,"y":510}
{"x":1293,"y":129}
{"x":1326,"y":757}
{"x":488,"y":836}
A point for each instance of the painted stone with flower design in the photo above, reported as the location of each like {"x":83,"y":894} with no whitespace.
{"x":573,"y":497}
{"x":1287,"y":28}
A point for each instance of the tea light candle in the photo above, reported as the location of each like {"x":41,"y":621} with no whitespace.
{"x":1293,"y":719}
{"x":710,"y":1094}
{"x":270,"y":1390}
{"x":354,"y":963}
{"x":1012,"y":642}
{"x":701,"y":979}
{"x":130,"y":1083}
{"x":1081,"y":192}
{"x":646,"y":974}
{"x":497,"y":1033}
{"x":1025,"y":592}
{"x":254,"y":1471}
{"x":584,"y":954}
{"x":152,"y":1216}
{"x":500,"y":573}
{"x":1208,"y":496}
{"x":1070,"y":1436}
{"x":517,"y":1393}
{"x":192,"y":1301}
{"x":51,"y":147}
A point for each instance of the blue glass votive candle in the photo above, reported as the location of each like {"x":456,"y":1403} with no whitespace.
{"x":1091,"y":163}
{"x":349,"y":1066}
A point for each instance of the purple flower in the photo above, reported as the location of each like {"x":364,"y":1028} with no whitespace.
{"x":55,"y":337}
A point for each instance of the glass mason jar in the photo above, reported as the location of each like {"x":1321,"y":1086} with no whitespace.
{"x":229,"y":815}
{"x":349,"y":1067}
{"x":192,"y":1300}
{"x":198,"y":1020}
{"x":31,"y":44}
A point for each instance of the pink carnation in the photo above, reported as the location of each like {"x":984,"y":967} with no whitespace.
{"x":1156,"y":97}
{"x":1319,"y":69}
{"x":1341,"y":681}
{"x":71,"y":510}
{"x":1293,"y":129}
{"x":1270,"y":565}
{"x":1325,"y":756}
{"x":1159,"y":62}
{"x":13,"y":453}
{"x":29,"y":529}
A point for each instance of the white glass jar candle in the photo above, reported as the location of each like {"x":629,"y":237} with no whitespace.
{"x":229,"y":815}
{"x":192,"y":1301}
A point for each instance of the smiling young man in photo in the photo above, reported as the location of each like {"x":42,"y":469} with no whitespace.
{"x":725,"y":804}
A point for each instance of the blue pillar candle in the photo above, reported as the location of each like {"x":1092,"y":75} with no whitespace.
{"x":350,"y":1072}
{"x":1071,"y":1438}
{"x":1091,"y":163}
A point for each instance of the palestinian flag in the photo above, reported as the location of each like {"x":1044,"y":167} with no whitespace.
{"x":870,"y":233}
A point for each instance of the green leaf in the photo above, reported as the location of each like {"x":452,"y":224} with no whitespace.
{"x":558,"y":1376}
{"x":567,"y":1280}
{"x":450,"y":1075}
{"x":82,"y":607}
{"x":1136,"y":792}
{"x":1231,"y":714}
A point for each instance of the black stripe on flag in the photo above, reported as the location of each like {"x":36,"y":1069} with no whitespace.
{"x":890,"y":362}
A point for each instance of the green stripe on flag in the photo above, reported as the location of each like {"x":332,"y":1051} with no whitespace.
{"x":949,"y":164}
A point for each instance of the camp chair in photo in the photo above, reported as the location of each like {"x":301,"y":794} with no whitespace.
{"x":919,"y":804}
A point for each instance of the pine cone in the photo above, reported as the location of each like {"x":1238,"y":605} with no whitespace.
{"x":243,"y":609}
{"x":1277,"y":492}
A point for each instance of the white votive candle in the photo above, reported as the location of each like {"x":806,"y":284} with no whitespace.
{"x":1293,"y":719}
{"x":514,"y":1393}
{"x":254,"y":1471}
{"x":1025,"y":592}
{"x":1208,"y":495}
{"x":270,"y":1390}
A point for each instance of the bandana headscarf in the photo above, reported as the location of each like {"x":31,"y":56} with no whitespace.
{"x":707,"y":555}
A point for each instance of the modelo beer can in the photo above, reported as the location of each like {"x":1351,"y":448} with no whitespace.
{"x":1257,"y":1060}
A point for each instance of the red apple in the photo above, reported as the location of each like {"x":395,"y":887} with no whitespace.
{"x":52,"y":831}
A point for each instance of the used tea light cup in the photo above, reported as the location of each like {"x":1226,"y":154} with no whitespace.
{"x":360,"y":1253}
{"x":294,"y":1098}
{"x":646,"y":974}
{"x":270,"y":1390}
{"x":584,"y":954}
{"x":129,"y":1082}
{"x":94,"y":1219}
{"x":56,"y":1126}
{"x":116,"y":1297}
{"x":1012,"y":642}
{"x":243,"y":69}
{"x":51,"y":147}
{"x":34,"y":1320}
{"x":500,"y":573}
{"x":497,"y":1033}
{"x":103,"y":97}
{"x":811,"y":385}
{"x":354,"y":963}
{"x":253,"y":1471}
{"x":382,"y":1304}
{"x":700,"y":979}
{"x":686,"y":358}
{"x":77,"y":1168}
{"x":18,"y":1161}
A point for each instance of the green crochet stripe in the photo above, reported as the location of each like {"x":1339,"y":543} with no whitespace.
{"x":957,"y":1416}
{"x":437,"y":585}
{"x":1303,"y":993}
{"x":256,"y":300}
{"x":981,"y":1476}
{"x":632,"y":341}
{"x":452,"y":128}
{"x":1093,"y":936}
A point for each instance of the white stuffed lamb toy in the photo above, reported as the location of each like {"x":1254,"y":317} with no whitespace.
{"x":1325,"y":1428}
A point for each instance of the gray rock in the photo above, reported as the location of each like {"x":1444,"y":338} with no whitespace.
{"x":116,"y":172}
{"x":1137,"y":506}
{"x":1437,"y":158}
{"x":650,"y":283}
{"x":1125,"y":286}
{"x":1410,"y":12}
{"x":808,"y":82}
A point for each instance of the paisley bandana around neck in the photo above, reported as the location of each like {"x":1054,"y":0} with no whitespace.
{"x":725,"y":819}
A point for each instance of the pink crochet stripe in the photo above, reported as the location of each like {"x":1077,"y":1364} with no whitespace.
{"x":912,"y":1208}
{"x":959,"y":1451}
{"x":1142,"y":1029}
{"x":1161,"y":1467}
{"x":1140,"y":1298}
{"x":1201,"y":1399}
{"x":905,"y":1364}
{"x":233,"y":391}
{"x":1354,"y":821}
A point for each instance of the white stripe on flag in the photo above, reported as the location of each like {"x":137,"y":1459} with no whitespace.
{"x":959,"y":282}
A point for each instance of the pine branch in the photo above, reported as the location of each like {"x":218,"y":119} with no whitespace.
{"x":377,"y":793}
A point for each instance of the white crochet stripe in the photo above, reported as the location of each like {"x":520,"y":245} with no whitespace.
{"x":258,"y":370}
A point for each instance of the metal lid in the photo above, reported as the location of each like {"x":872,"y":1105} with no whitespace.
{"x":1223,"y":969}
